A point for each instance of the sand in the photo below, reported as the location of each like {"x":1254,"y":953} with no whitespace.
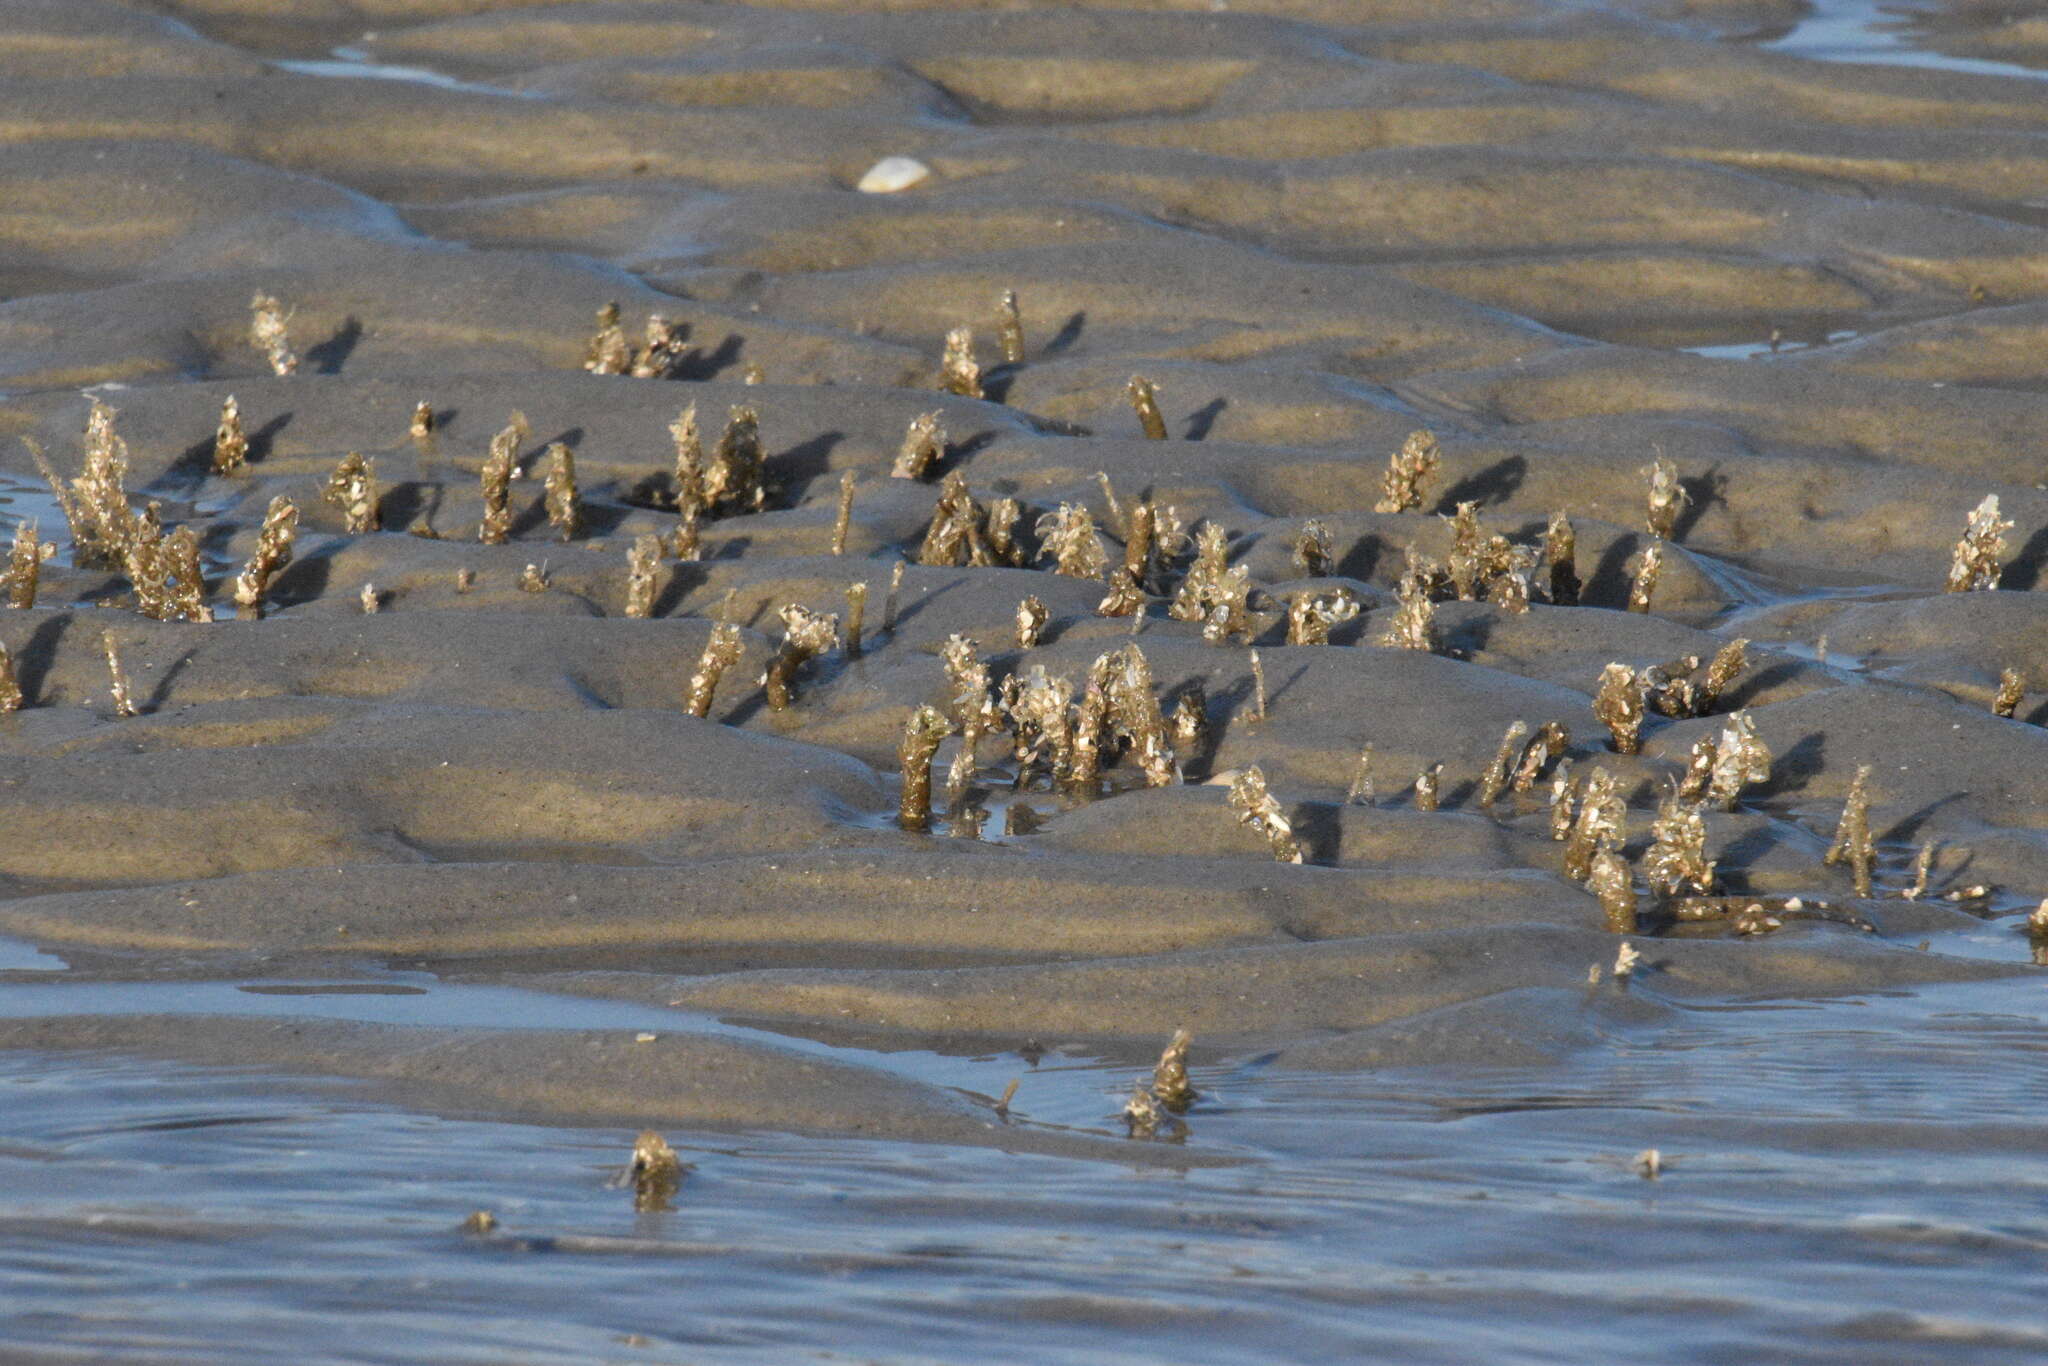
{"x":1566,"y":242}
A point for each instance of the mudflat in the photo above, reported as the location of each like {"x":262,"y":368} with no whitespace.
{"x":1417,"y":537}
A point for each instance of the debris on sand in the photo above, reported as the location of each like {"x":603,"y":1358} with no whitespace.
{"x":891,"y":174}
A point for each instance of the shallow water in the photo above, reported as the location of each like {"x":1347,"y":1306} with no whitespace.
{"x":1852,"y":1181}
{"x":1880,"y":33}
{"x":1770,"y":346}
{"x":353,"y":64}
{"x":385,"y":996}
{"x":24,"y":501}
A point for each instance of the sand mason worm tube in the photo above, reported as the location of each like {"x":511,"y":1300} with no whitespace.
{"x":922,"y":735}
{"x":1741,"y":759}
{"x":1500,"y":772}
{"x":1361,"y":792}
{"x":267,"y":332}
{"x":688,"y":539}
{"x":643,"y":568}
{"x":1032,"y":616}
{"x":564,"y":504}
{"x":666,"y":349}
{"x":1169,"y":541}
{"x":655,"y":1172}
{"x":1560,"y":553}
{"x":1852,"y":844}
{"x":1619,"y":706}
{"x":1564,"y":796}
{"x":2012,"y":686}
{"x":1124,"y":598}
{"x":1677,"y":859}
{"x":1199,"y":585}
{"x":230,"y":443}
{"x":1600,"y":821}
{"x":1507,"y":570}
{"x":1091,"y":723}
{"x":1976,"y":563}
{"x":1212,"y":592}
{"x":1608,"y":879}
{"x":1414,"y":623}
{"x":1140,"y":523}
{"x":1170,"y":1084}
{"x":353,"y":488}
{"x":25,"y":565}
{"x":1408,"y":470}
{"x":1068,"y":537}
{"x":1003,"y":548}
{"x":924,"y":446}
{"x":1188,"y":727}
{"x":1257,"y":809}
{"x":1010,"y":328}
{"x":1112,"y":503}
{"x":422,"y":426}
{"x":1465,"y":563}
{"x":1041,"y":724}
{"x":734,"y":478}
{"x":721,"y":652}
{"x":1310,"y":616}
{"x":967,"y":682}
{"x":1142,"y":1114}
{"x":11,"y":696}
{"x":1727,"y":664}
{"x":608,"y":352}
{"x":889,"y":602}
{"x":806,"y":634}
{"x":1429,"y":788}
{"x":856,"y":617}
{"x":1923,"y":868}
{"x":689,"y":462}
{"x":494,"y":479}
{"x":1145,"y":401}
{"x":1312,"y":550}
{"x":958,"y":371}
{"x":273,"y":553}
{"x":842,"y":521}
{"x":95,"y":504}
{"x":147,"y":569}
{"x":1551,"y":740}
{"x":186,"y":596}
{"x":1644,"y":568}
{"x":973,"y":704}
{"x":1134,"y":704}
{"x":1667,"y":496}
{"x":124,"y":702}
{"x":952,"y":529}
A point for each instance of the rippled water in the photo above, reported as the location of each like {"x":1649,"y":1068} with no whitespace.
{"x":1855,"y":1181}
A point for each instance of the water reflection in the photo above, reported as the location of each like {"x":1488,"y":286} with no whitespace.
{"x":1871,"y":33}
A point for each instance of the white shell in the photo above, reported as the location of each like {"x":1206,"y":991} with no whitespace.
{"x":891,"y":174}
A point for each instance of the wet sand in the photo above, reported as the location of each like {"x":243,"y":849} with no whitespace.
{"x":1799,"y":252}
